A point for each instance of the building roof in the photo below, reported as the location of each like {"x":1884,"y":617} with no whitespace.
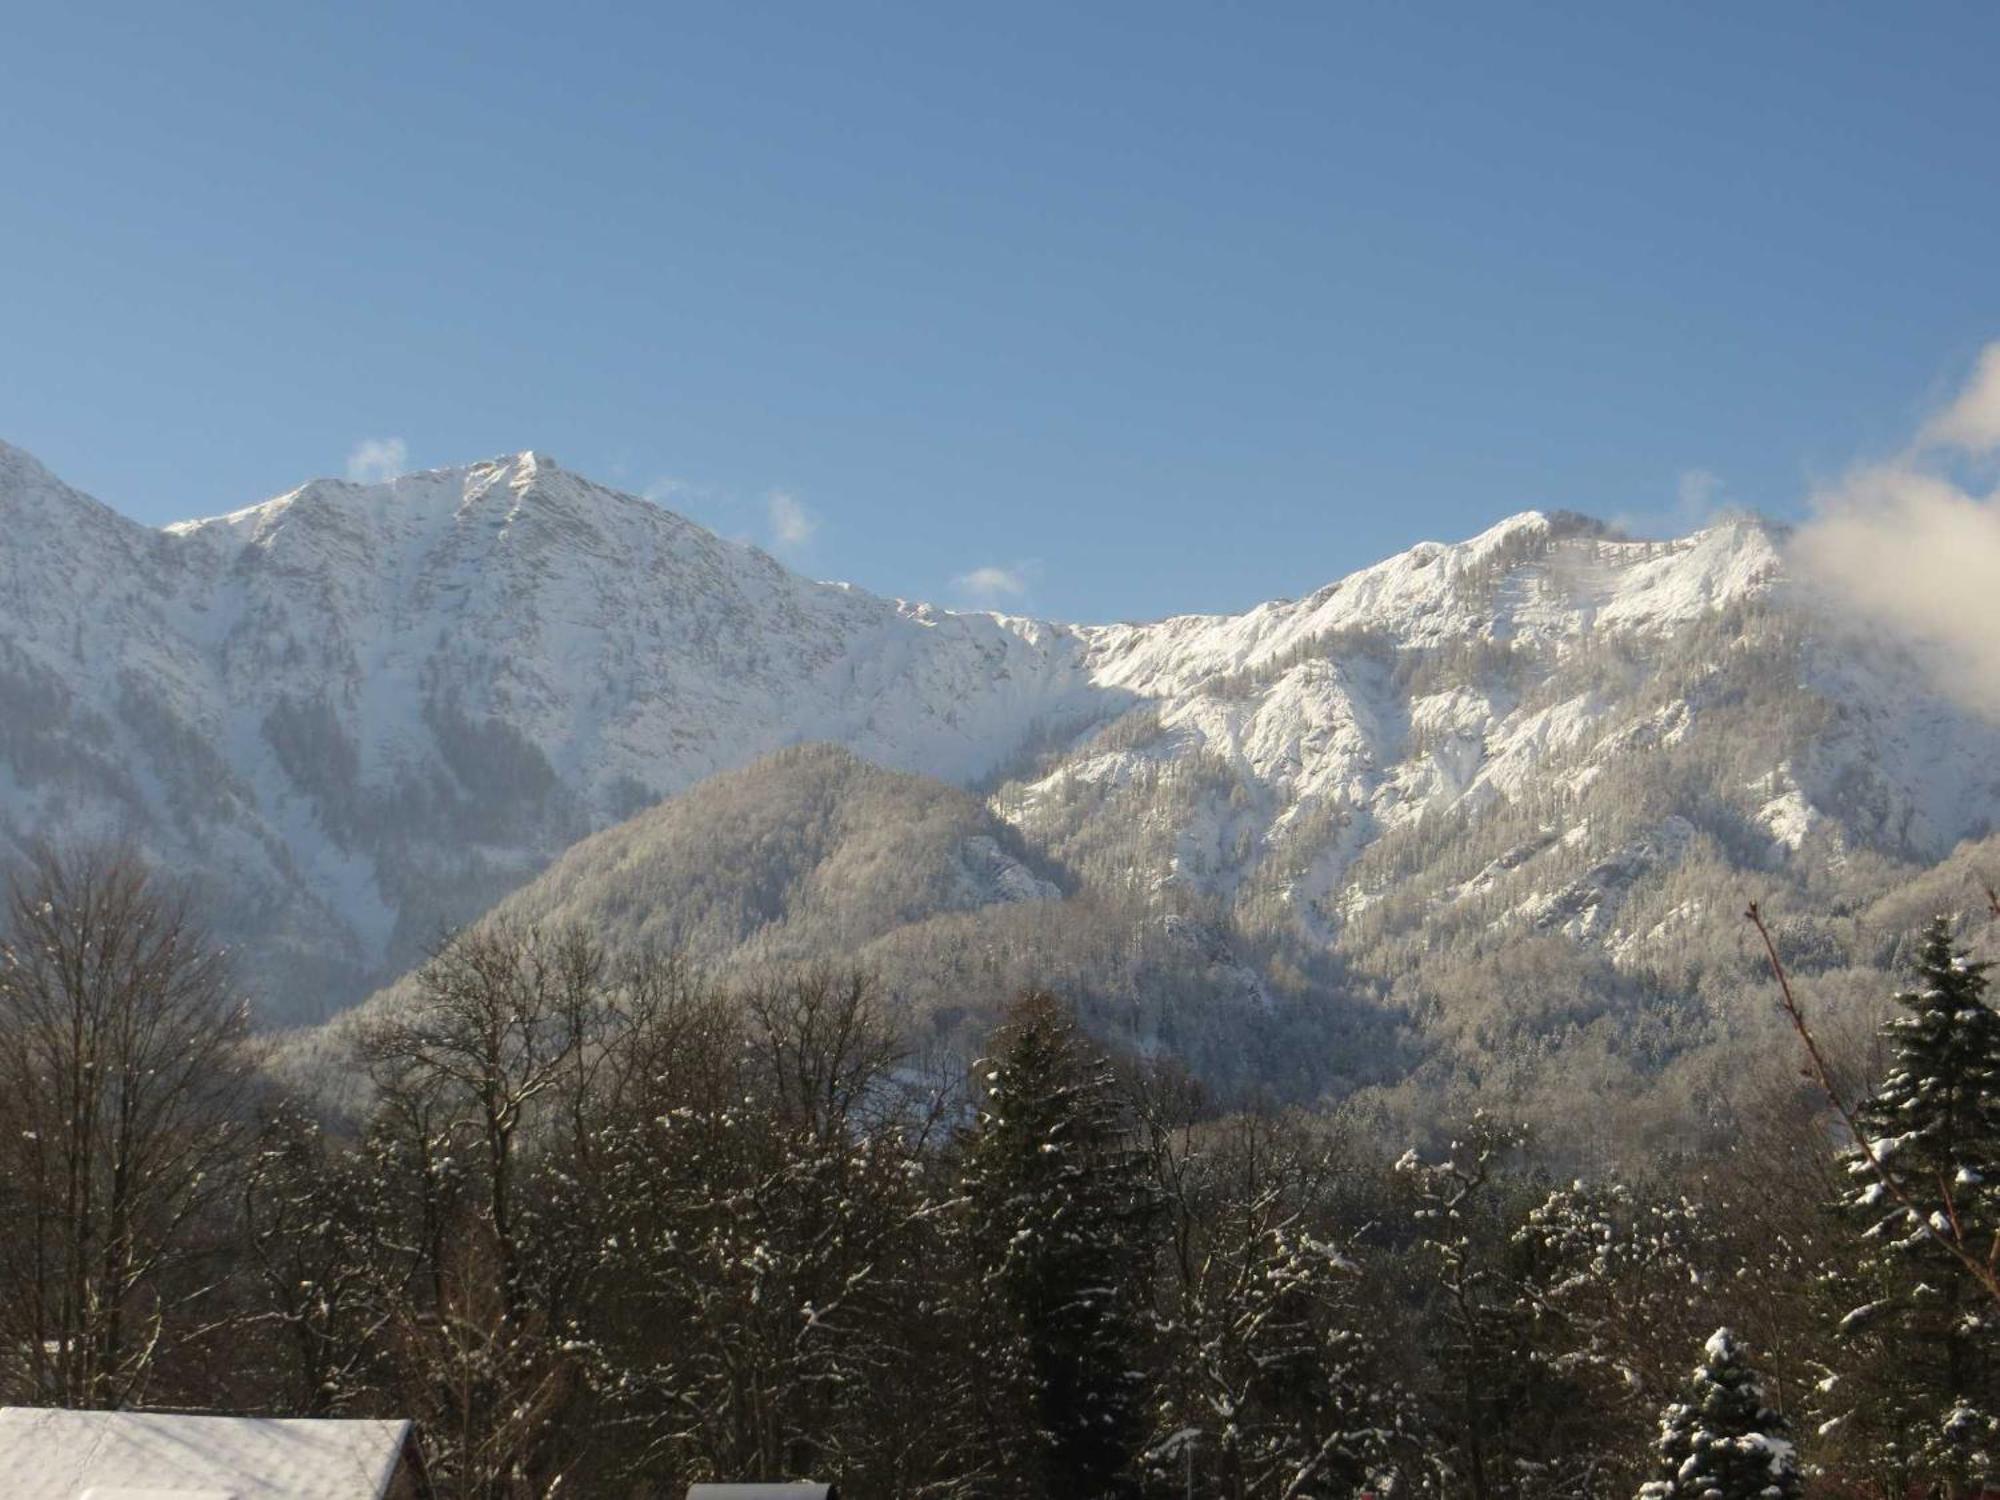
{"x":47,"y":1454}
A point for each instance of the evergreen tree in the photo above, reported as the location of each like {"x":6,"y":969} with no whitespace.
{"x":1934,"y":1124}
{"x":1723,"y":1442}
{"x":1062,"y":1225}
{"x":1919,"y":1390}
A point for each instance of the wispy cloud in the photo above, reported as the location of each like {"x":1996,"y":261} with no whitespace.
{"x":374,"y":460}
{"x":778,"y":518}
{"x":1911,"y":546}
{"x":1697,"y":494}
{"x":991,"y":586}
{"x":668,"y":490}
{"x":792,"y":525}
{"x":1700,"y":499}
{"x":1972,"y":421}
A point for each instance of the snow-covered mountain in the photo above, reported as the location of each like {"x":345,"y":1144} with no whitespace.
{"x":358,"y":713}
{"x":361,"y":712}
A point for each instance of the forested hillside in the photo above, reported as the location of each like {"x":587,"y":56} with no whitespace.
{"x":607,"y":1225}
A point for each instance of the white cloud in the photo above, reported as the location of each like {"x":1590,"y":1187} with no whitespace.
{"x":1972,"y":422}
{"x":377,"y":459}
{"x":1906,"y":547}
{"x":792,"y":525}
{"x":991,"y":585}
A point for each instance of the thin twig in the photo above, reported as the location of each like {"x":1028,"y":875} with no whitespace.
{"x":1822,"y":1074}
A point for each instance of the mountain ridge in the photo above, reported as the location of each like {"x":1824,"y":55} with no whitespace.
{"x":359,"y":713}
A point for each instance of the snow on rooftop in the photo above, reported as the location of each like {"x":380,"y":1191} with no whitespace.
{"x":101,"y":1455}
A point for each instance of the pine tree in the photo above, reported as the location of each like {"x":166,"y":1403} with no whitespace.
{"x":1723,"y":1442}
{"x":1934,"y":1124}
{"x":1920,"y":1387}
{"x":1061,"y":1220}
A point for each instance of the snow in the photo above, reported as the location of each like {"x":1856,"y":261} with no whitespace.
{"x":296,"y":700}
{"x":1790,"y":818}
{"x":90,"y":1455}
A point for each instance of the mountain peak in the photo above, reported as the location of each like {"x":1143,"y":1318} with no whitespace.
{"x":431,"y":496}
{"x":1521,"y":523}
{"x":29,"y":491}
{"x":529,"y":463}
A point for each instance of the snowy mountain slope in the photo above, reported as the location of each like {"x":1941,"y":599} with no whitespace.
{"x":1527,"y":661}
{"x":360,"y":712}
{"x":1514,"y":796}
{"x":811,"y":854}
{"x":357,"y":713}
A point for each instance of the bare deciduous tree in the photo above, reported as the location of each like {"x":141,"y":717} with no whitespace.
{"x":495,"y":1056}
{"x":122,"y":1075}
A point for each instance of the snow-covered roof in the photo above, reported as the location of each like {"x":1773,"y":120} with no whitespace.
{"x":118,"y":1455}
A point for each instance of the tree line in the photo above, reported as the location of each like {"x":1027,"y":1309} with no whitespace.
{"x":602,"y":1226}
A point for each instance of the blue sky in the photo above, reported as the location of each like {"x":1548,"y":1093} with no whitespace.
{"x":1144,"y":308}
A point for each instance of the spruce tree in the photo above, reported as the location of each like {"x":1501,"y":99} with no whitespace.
{"x":1934,"y":1124}
{"x":1920,"y":1387}
{"x":1061,"y":1220}
{"x":1723,"y":1442}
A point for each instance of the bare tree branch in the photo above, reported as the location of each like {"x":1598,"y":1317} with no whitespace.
{"x":1981,"y":1270}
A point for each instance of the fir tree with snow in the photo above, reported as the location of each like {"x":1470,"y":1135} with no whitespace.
{"x":1934,"y":1123}
{"x":1723,"y":1442}
{"x":1062,"y":1225}
{"x":1919,"y":1390}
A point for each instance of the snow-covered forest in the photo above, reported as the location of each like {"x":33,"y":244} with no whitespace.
{"x":604,"y":1223}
